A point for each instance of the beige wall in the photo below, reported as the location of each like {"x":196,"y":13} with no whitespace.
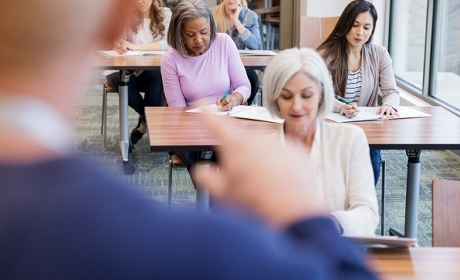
{"x":307,"y":31}
{"x":210,"y":3}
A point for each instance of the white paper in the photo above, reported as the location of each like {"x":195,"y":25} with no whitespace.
{"x":131,"y":53}
{"x":241,"y":111}
{"x":256,"y":52}
{"x":383,"y":241}
{"x":369,"y":114}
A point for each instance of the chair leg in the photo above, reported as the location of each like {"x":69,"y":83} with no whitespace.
{"x":382,"y":215}
{"x":170,"y":166}
{"x":104,"y":114}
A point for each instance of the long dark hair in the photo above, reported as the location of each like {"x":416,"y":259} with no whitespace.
{"x":334,"y":49}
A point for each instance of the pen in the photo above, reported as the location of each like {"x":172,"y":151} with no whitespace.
{"x":341,"y":99}
{"x":225,"y":96}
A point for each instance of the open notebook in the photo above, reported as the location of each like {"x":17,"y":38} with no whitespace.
{"x":256,"y":52}
{"x":241,"y":111}
{"x":382,"y":241}
{"x":130,"y":53}
{"x":369,"y":114}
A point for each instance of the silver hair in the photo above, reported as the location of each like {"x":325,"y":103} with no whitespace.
{"x":285,"y":65}
{"x":184,"y":12}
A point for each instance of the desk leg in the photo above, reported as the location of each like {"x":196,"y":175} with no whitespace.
{"x":124,"y":135}
{"x":412,"y":196}
{"x":412,"y":193}
{"x":202,"y":195}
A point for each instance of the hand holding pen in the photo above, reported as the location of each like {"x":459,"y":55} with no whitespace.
{"x":349,"y":109}
{"x":120,"y":47}
{"x":224,"y":103}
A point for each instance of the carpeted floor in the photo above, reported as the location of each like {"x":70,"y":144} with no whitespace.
{"x":150,"y":178}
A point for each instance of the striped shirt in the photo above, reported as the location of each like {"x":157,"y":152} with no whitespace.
{"x":353,"y":90}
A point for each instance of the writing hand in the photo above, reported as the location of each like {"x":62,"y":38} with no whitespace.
{"x":350,"y":110}
{"x":227,"y":103}
{"x":120,"y":47}
{"x":129,"y":45}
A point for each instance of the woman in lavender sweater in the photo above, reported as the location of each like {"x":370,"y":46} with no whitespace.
{"x":201,"y":64}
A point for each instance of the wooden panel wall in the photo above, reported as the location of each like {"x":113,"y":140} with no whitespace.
{"x":313,"y":30}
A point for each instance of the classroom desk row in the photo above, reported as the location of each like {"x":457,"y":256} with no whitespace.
{"x":130,"y":63}
{"x":172,"y":129}
{"x":412,"y":135}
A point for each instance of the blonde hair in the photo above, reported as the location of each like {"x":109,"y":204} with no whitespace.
{"x":285,"y":65}
{"x":156,"y":19}
{"x":220,"y":16}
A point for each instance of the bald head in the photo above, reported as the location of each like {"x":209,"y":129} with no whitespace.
{"x":37,"y":31}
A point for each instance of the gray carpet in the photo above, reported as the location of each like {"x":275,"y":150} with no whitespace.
{"x":151,"y":174}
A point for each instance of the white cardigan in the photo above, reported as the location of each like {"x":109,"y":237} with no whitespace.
{"x":346,"y":176}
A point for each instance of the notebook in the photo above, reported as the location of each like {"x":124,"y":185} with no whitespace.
{"x":256,"y":52}
{"x":245,"y":112}
{"x":369,"y":114}
{"x":131,"y":53}
{"x":382,"y":241}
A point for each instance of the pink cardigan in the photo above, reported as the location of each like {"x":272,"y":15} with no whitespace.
{"x":198,"y":80}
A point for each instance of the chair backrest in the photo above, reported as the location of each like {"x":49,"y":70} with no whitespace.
{"x":446,"y":213}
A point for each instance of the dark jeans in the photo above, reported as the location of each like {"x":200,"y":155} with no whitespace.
{"x":192,"y":157}
{"x":376,"y":163}
{"x":254,"y":80}
{"x":149,"y":82}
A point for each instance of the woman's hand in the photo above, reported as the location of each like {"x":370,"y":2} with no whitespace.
{"x":235,"y":13}
{"x":387,"y":110}
{"x":229,"y":102}
{"x":350,"y":110}
{"x":129,"y":45}
{"x":120,"y":47}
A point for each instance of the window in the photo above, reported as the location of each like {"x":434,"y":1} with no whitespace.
{"x":407,"y":41}
{"x":425,"y":47}
{"x":446,"y":74}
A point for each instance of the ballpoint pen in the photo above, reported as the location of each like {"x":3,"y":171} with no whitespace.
{"x":341,"y":99}
{"x":225,"y":96}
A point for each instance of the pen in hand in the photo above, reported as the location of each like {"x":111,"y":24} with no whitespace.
{"x":351,"y":110}
{"x":223,"y":99}
{"x":225,"y":96}
{"x":341,"y":99}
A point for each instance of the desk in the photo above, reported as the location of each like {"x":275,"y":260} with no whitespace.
{"x":415,"y":263}
{"x":440,"y":132}
{"x":173,"y":129}
{"x":127,"y":63}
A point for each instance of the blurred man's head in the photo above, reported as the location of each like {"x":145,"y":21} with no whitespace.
{"x":53,"y":36}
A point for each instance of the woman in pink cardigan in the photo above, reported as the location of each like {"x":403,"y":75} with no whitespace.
{"x":358,"y":68}
{"x":201,"y":65}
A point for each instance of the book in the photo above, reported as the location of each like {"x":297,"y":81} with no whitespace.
{"x":242,"y":111}
{"x":369,"y":114}
{"x":382,"y":241}
{"x":131,"y":53}
{"x":256,"y":52}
